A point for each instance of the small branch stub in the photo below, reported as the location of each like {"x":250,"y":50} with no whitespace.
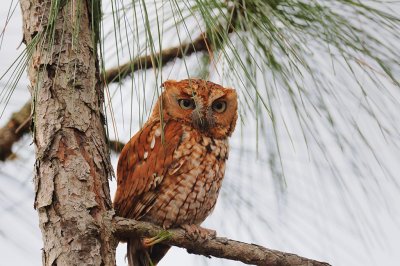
{"x":218,"y":247}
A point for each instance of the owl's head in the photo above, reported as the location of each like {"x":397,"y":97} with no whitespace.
{"x":206,"y":106}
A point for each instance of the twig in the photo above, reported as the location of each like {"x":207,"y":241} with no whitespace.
{"x":218,"y":247}
{"x":116,"y":145}
{"x":15,"y":128}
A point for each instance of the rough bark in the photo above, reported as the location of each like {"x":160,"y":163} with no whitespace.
{"x":72,"y":161}
{"x":218,"y":247}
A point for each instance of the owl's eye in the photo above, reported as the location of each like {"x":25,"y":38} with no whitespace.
{"x":219,"y":106}
{"x":186,"y":104}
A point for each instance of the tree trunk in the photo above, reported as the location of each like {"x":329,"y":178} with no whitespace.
{"x":72,"y":159}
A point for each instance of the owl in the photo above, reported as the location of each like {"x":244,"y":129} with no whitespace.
{"x":171,"y":171}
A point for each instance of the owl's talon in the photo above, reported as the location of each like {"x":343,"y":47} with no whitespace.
{"x":151,"y":241}
{"x":208,"y":233}
{"x":194,"y":232}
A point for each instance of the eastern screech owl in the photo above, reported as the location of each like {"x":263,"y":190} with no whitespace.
{"x":171,"y":171}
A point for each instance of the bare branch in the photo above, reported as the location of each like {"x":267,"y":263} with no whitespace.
{"x":18,"y":125}
{"x":160,"y":59}
{"x":15,"y":128}
{"x":218,"y":247}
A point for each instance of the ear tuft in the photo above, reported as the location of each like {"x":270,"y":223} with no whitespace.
{"x":169,"y":83}
{"x":230,"y":90}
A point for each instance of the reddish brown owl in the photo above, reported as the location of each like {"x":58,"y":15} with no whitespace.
{"x":171,"y":171}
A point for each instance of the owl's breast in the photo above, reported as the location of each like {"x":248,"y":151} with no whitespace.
{"x":189,"y":192}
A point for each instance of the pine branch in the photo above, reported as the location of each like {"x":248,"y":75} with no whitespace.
{"x":117,"y":74}
{"x":218,"y":247}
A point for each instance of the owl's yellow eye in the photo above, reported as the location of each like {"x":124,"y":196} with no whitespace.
{"x":219,"y":106}
{"x":186,"y":104}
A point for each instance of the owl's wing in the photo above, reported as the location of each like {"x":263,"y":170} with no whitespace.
{"x":142,"y":165}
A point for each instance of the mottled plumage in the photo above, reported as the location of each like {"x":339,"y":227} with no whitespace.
{"x":171,"y":175}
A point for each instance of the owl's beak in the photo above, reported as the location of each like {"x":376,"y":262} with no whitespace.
{"x":201,"y":120}
{"x":201,"y":123}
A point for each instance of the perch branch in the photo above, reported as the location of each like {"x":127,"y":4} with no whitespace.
{"x":218,"y":247}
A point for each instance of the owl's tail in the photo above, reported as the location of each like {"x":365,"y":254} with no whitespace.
{"x":139,"y":256}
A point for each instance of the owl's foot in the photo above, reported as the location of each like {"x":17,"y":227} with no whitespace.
{"x":194,"y":232}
